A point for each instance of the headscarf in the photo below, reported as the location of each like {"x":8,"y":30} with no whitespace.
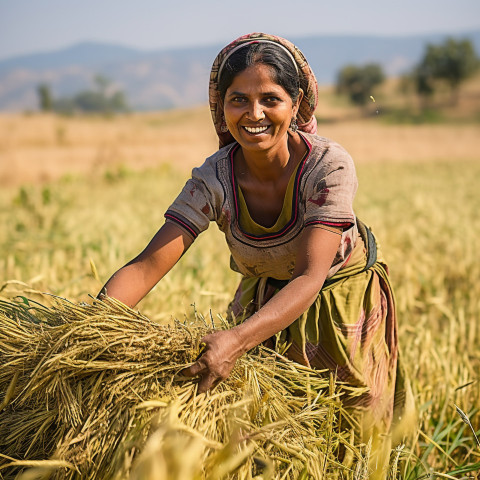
{"x":305,"y":117}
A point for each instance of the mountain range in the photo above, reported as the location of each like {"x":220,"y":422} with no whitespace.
{"x":161,"y":79}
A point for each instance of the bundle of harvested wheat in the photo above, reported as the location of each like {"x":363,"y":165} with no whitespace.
{"x":92,"y":391}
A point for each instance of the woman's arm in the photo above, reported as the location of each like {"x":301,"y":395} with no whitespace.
{"x":316,"y":253}
{"x":133,"y":281}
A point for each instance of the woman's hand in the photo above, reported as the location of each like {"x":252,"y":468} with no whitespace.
{"x":222,"y":350}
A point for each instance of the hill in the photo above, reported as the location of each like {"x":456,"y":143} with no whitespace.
{"x":162,"y":79}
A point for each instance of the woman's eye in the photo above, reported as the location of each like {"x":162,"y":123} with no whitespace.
{"x":271,"y":99}
{"x":238,"y":99}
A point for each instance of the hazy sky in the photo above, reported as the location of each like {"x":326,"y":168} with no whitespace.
{"x":37,"y":25}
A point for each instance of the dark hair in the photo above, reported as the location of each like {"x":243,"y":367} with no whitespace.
{"x":284,"y":71}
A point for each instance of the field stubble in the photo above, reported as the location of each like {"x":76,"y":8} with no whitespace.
{"x":40,"y":148}
{"x":418,"y":191}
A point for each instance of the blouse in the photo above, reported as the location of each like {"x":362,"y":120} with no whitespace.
{"x":324,"y":187}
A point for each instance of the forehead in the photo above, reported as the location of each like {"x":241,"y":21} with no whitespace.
{"x":258,"y":77}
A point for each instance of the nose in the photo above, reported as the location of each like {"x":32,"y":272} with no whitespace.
{"x":255,"y":112}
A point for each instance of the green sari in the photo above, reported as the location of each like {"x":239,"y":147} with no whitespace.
{"x":350,"y":330}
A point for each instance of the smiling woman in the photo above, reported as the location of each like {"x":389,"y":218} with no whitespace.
{"x":260,"y":91}
{"x":257,"y":110}
{"x":314,"y":286}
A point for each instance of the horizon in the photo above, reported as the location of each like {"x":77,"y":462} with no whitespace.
{"x":27,"y":28}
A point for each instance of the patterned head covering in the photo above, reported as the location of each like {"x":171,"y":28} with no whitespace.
{"x":305,"y":118}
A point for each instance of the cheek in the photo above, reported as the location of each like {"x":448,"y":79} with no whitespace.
{"x":230,"y":114}
{"x":284,"y":117}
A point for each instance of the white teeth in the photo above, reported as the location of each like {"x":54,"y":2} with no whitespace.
{"x":256,"y":129}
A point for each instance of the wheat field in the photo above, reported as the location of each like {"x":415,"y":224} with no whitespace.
{"x":81,"y":196}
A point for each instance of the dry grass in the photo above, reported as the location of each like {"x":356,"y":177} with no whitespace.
{"x":38,"y":148}
{"x":371,"y":142}
{"x":88,"y":387}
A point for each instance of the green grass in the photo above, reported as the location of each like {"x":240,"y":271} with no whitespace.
{"x":55,"y":230}
{"x":425,"y":217}
{"x":407,"y":116}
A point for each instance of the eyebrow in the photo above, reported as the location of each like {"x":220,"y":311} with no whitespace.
{"x":245,"y":95}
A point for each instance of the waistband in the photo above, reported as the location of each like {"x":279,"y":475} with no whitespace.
{"x":370,"y":246}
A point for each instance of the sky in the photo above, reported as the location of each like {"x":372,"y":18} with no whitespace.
{"x":31,"y":26}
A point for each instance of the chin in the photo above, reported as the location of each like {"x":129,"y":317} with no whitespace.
{"x":258,"y":143}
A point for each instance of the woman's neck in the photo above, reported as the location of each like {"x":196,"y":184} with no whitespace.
{"x":269,"y":165}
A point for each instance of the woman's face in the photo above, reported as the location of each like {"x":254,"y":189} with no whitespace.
{"x":257,"y":110}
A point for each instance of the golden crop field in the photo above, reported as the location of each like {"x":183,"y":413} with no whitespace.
{"x":81,"y":196}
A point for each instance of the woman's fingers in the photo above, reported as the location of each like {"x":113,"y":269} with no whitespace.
{"x":207,"y":382}
{"x":194,"y":370}
{"x":218,"y":354}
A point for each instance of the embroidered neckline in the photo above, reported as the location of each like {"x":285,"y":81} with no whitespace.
{"x":295,"y":197}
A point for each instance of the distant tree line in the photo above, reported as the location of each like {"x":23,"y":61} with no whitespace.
{"x":447,"y":64}
{"x":101,"y":99}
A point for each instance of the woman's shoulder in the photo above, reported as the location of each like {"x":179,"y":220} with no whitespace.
{"x":328,"y":154}
{"x":208,"y":171}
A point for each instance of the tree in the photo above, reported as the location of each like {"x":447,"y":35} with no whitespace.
{"x":104,"y":98}
{"x":358,"y":82}
{"x":91,"y":101}
{"x":45,"y":99}
{"x":102,"y":83}
{"x":451,"y":63}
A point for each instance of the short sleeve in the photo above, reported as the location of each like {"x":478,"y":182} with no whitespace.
{"x":330,"y":190}
{"x":192,"y":209}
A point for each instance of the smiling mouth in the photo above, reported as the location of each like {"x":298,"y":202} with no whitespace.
{"x":256,"y":130}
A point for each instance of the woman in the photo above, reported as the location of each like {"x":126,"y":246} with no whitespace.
{"x":312,"y":287}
